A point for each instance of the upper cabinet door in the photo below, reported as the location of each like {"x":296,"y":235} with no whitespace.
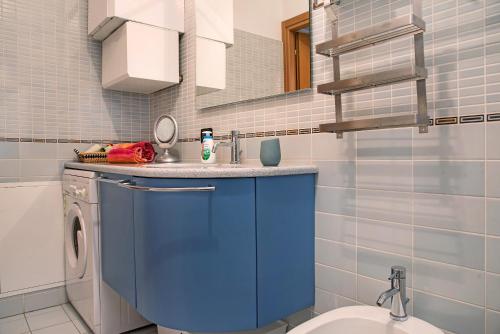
{"x":215,"y":20}
{"x":105,"y":16}
{"x":196,"y":253}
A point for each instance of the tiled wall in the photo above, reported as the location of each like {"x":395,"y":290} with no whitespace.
{"x":50,"y":89}
{"x":427,"y":201}
{"x":32,"y":301}
{"x":254,"y":70}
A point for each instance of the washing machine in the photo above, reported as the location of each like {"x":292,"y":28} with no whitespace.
{"x":100,"y":306}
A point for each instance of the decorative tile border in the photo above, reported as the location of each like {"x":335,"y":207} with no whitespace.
{"x":493,"y":117}
{"x":62,"y":141}
{"x":432,"y":122}
{"x":446,"y":120}
{"x":472,"y":119}
{"x":453,"y":120}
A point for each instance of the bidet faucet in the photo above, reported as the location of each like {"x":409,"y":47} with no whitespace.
{"x":397,"y":293}
{"x":235,"y":147}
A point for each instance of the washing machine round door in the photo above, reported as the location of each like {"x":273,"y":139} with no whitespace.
{"x":76,"y":241}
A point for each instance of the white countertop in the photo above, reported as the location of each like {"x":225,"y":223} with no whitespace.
{"x":195,"y":170}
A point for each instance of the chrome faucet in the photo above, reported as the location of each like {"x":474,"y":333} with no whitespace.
{"x":397,"y":293}
{"x":235,"y":147}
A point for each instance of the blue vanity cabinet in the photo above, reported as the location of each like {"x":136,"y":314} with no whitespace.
{"x":285,"y":245}
{"x":117,"y":232}
{"x":196,"y":253}
{"x":234,"y":258}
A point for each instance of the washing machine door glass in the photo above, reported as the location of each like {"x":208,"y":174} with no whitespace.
{"x":76,"y":241}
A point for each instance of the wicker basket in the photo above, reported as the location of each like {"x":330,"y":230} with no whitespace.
{"x":92,"y":158}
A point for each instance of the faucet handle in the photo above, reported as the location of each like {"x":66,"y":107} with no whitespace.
{"x":397,"y":272}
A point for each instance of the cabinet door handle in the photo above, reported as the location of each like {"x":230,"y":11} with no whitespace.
{"x":106,"y":180}
{"x":129,"y":185}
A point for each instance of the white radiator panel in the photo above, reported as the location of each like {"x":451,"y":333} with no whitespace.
{"x":31,"y":236}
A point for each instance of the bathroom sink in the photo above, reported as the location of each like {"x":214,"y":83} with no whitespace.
{"x":363,"y":320}
{"x":189,"y":165}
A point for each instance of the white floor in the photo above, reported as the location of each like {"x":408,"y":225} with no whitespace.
{"x":61,"y":319}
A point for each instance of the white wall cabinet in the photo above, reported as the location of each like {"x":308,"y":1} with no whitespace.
{"x":140,"y":58}
{"x":31,"y":236}
{"x":215,"y":20}
{"x":210,"y":66}
{"x":105,"y":16}
{"x":214,"y":32}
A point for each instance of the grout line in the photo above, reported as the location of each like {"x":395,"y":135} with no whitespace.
{"x":485,"y":137}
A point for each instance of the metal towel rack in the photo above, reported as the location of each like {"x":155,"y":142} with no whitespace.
{"x":411,"y":24}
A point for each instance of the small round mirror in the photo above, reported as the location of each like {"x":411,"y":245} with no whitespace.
{"x":166,"y":133}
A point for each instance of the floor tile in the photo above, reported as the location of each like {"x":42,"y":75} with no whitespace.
{"x":14,"y":325}
{"x":70,"y":311}
{"x":46,"y":318}
{"x":11,"y":306}
{"x":81,"y":326}
{"x":76,"y":319}
{"x":66,"y":328}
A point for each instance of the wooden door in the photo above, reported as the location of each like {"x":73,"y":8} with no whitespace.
{"x":303,"y":53}
{"x":296,"y":53}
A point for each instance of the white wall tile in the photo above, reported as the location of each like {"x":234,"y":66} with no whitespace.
{"x":493,"y":291}
{"x":492,"y":322}
{"x":389,"y":237}
{"x":384,"y":205}
{"x":449,"y":177}
{"x":393,"y":144}
{"x":336,"y":173}
{"x":378,"y":265}
{"x":326,"y":146}
{"x":454,"y":316}
{"x":461,"y":213}
{"x":450,"y":142}
{"x":326,"y":301}
{"x":384,"y":175}
{"x":492,"y":140}
{"x":336,"y":281}
{"x":492,"y":251}
{"x":11,"y":306}
{"x":493,"y":216}
{"x":339,"y":201}
{"x":449,"y":247}
{"x":449,"y":281}
{"x":336,"y":228}
{"x":493,"y":179}
{"x":334,"y":254}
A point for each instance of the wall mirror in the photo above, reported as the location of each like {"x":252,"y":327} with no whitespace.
{"x":270,"y":54}
{"x":166,"y":134}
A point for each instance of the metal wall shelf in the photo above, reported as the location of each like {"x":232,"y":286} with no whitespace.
{"x":398,"y":27}
{"x":373,"y":80}
{"x":399,"y":121}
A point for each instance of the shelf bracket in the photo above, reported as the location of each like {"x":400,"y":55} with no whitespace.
{"x":398,"y":27}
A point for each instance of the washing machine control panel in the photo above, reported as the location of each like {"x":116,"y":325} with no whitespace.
{"x":80,"y":188}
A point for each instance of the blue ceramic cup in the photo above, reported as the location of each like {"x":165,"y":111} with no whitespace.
{"x":270,"y":152}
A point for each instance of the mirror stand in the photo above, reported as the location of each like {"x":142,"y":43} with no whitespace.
{"x":169,"y":155}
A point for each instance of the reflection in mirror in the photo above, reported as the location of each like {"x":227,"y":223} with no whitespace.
{"x":271,"y":54}
{"x":165,"y":130}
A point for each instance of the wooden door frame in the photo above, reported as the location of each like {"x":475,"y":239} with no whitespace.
{"x":288,"y":29}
